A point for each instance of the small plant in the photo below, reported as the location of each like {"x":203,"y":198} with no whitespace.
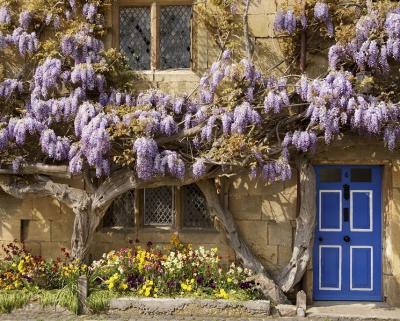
{"x":99,"y":300}
{"x":177,"y":270}
{"x":65,"y":297}
{"x":10,"y":300}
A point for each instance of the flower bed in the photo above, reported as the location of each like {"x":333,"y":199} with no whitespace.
{"x":174,"y":271}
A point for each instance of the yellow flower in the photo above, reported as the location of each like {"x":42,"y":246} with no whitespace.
{"x":123,"y":286}
{"x":229,"y":280}
{"x":21,"y":266}
{"x":222,"y":294}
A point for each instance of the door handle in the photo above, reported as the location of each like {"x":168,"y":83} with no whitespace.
{"x":346,"y":238}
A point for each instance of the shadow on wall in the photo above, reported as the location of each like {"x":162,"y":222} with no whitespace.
{"x":265,"y":214}
{"x":41,"y":224}
{"x":392,"y":283}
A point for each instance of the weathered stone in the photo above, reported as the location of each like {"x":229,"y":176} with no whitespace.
{"x":61,"y":230}
{"x":269,"y":47}
{"x":192,"y":306}
{"x":280,"y":234}
{"x":245,"y":208}
{"x":13,"y":208}
{"x":262,"y":6}
{"x":254,"y":232}
{"x":34,"y":247}
{"x":46,"y":208}
{"x":301,"y":300}
{"x":278,"y":208}
{"x":261,"y":25}
{"x":301,"y":312}
{"x":52,"y":249}
{"x":286,"y":310}
{"x":10,"y":229}
{"x":284,"y":254}
{"x":82,"y":293}
{"x":35,"y":230}
{"x":396,"y":174}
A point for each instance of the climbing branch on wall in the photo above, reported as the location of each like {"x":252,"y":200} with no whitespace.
{"x":305,"y":224}
{"x":242,"y":250}
{"x":246,"y":35}
{"x":88,"y":205}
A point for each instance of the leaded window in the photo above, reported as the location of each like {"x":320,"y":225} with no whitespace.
{"x":155,"y":36}
{"x":194,"y":207}
{"x":175,"y":40}
{"x":135,"y":36}
{"x":159,"y":206}
{"x":121,"y":212}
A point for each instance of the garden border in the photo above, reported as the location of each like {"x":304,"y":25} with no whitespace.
{"x":192,"y":306}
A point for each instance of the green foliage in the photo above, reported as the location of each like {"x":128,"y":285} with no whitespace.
{"x":66,"y":297}
{"x":175,"y":271}
{"x":10,"y":300}
{"x":223,"y":22}
{"x":98,"y":300}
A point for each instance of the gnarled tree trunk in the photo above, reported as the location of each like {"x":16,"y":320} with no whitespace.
{"x":243,"y":252}
{"x":305,"y":225}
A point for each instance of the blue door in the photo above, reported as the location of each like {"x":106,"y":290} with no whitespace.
{"x":347,"y":247}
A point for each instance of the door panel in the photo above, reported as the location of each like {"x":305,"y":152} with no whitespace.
{"x":330,"y":262}
{"x":361,"y":266}
{"x":361,"y":204}
{"x":331,"y":207}
{"x":347,"y":249}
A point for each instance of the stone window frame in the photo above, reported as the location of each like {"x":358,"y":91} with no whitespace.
{"x":178,"y":221}
{"x":155,"y":18}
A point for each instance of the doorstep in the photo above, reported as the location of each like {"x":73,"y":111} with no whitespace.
{"x":346,"y":310}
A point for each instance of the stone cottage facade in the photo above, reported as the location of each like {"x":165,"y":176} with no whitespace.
{"x":265,"y":213}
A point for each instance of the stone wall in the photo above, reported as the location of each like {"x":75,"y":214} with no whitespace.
{"x":44,"y":225}
{"x":265,"y":213}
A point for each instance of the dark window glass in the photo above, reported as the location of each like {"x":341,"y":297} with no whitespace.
{"x":159,"y":206}
{"x":361,"y":174}
{"x":135,"y":36}
{"x":175,"y":36}
{"x":195,"y":210}
{"x":121,"y":212}
{"x":330,"y":175}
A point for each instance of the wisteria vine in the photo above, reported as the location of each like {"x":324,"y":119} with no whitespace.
{"x":240,"y":118}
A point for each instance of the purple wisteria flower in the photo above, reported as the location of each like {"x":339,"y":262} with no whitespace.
{"x":5,"y":17}
{"x":321,"y":13}
{"x":25,"y":19}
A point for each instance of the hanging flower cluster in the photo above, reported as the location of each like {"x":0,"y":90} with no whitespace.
{"x":287,"y":21}
{"x":72,"y":107}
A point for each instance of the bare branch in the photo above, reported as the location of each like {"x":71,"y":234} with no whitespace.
{"x":39,"y":168}
{"x":247,"y":42}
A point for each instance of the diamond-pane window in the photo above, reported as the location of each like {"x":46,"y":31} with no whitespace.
{"x":121,"y":212}
{"x":195,"y":210}
{"x":135,"y":36}
{"x":159,"y":206}
{"x":175,"y":36}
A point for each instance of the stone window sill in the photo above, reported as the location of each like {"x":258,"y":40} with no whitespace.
{"x":169,"y":75}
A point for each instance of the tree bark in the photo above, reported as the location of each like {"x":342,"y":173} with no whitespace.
{"x":243,"y":252}
{"x":305,"y":225}
{"x":246,"y":35}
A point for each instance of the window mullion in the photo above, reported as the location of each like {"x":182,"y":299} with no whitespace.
{"x":155,"y":35}
{"x":178,"y":208}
